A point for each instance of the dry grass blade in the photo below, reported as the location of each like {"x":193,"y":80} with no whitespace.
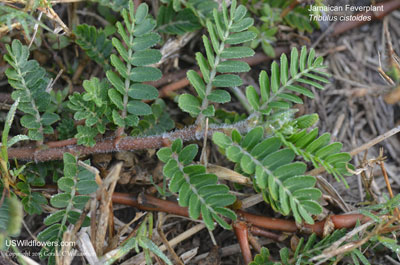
{"x":50,"y":13}
{"x":105,"y":192}
{"x":383,"y":74}
{"x":375,"y":141}
{"x":228,"y":174}
{"x":335,"y":250}
{"x":251,"y":201}
{"x":86,"y":247}
{"x":164,"y":239}
{"x":189,"y":255}
{"x":66,"y":259}
{"x":138,"y":259}
{"x":333,"y":193}
{"x":28,"y":260}
{"x":113,"y":242}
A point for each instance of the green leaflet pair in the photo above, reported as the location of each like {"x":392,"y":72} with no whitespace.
{"x":197,"y":189}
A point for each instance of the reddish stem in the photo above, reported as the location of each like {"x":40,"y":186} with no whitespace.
{"x":241,"y":233}
{"x":268,"y":222}
{"x":61,"y":143}
{"x":255,"y":230}
{"x":150,"y":203}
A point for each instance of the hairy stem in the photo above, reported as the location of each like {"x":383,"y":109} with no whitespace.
{"x":107,"y":145}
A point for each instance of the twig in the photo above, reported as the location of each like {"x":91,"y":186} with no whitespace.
{"x":335,"y":249}
{"x":106,"y":198}
{"x":261,"y":232}
{"x":327,"y":32}
{"x":385,"y":176}
{"x":254,"y":242}
{"x":103,"y":21}
{"x":374,"y":141}
{"x":173,"y":242}
{"x":36,"y":27}
{"x":349,"y":235}
{"x":252,"y":200}
{"x":164,"y":239}
{"x":382,"y":165}
{"x":383,"y":74}
{"x":51,"y":14}
{"x":146,"y":202}
{"x":392,"y":260}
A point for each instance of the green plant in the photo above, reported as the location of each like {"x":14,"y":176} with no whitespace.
{"x":340,"y":243}
{"x":29,"y":176}
{"x":156,"y":123}
{"x":128,"y":91}
{"x":281,"y":181}
{"x":283,"y":184}
{"x":30,"y":82}
{"x":95,"y":43}
{"x":197,"y":190}
{"x":11,"y":16}
{"x":122,"y":104}
{"x":230,"y":28}
{"x":11,"y":212}
{"x":171,"y":22}
{"x":201,"y":9}
{"x":75,"y":180}
{"x":271,"y":16}
{"x":141,"y":240}
{"x":94,"y":107}
{"x":115,"y":5}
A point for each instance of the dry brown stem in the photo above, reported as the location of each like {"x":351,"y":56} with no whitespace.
{"x":105,"y":200}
